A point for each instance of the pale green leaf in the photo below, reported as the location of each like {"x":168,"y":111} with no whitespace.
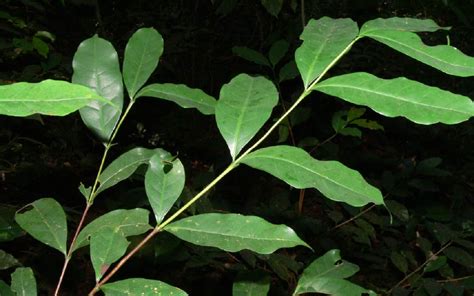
{"x":272,"y":6}
{"x":48,"y":97}
{"x":400,"y":97}
{"x":182,"y":95}
{"x":297,"y":168}
{"x":403,"y":24}
{"x":245,"y":104}
{"x":124,"y":166}
{"x":5,"y":289}
{"x":142,"y":54}
{"x":251,"y":284}
{"x":96,"y":66}
{"x":323,"y":41}
{"x":251,"y":55}
{"x":141,"y":287}
{"x":327,"y":275}
{"x":107,"y":246}
{"x":127,"y":222}
{"x":45,"y":220}
{"x":23,"y":282}
{"x":278,"y":51}
{"x":7,"y":260}
{"x":164,"y":182}
{"x":235,"y":232}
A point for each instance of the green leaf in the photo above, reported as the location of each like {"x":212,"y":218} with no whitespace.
{"x":127,"y":222}
{"x":49,"y":97}
{"x":234,"y":232}
{"x":435,"y":264}
{"x":251,"y":284}
{"x":23,"y":282}
{"x":460,"y":256}
{"x":7,"y":260}
{"x":46,"y":222}
{"x":288,"y":71}
{"x":400,"y":97}
{"x":354,"y":113}
{"x":245,"y":104}
{"x":278,"y":51}
{"x":125,"y":165}
{"x":272,"y":6}
{"x":137,"y":287}
{"x":351,"y":131}
{"x":297,"y":168}
{"x":369,"y":124}
{"x":327,"y":275}
{"x":9,"y":229}
{"x":399,"y":261}
{"x":182,"y":95}
{"x":250,"y":55}
{"x":164,"y":182}
{"x":107,"y":246}
{"x":96,"y":66}
{"x":323,"y":41}
{"x":402,"y":24}
{"x":5,"y":289}
{"x":142,"y":54}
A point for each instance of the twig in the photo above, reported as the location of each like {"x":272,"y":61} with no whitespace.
{"x":355,"y":217}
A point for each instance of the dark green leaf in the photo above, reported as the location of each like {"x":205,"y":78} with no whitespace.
{"x":398,"y":210}
{"x":5,"y":289}
{"x":369,"y":124}
{"x":399,"y":261}
{"x":23,"y":282}
{"x":278,"y":51}
{"x":272,"y":6}
{"x":9,"y":229}
{"x":288,"y":71}
{"x":251,"y":284}
{"x":136,"y":287}
{"x":460,"y":256}
{"x":435,"y":264}
{"x":351,"y":131}
{"x":234,"y":232}
{"x":45,"y":220}
{"x":432,"y":287}
{"x":251,"y":55}
{"x":7,"y":260}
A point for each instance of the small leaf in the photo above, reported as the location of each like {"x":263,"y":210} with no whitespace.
{"x":297,"y":168}
{"x":85,"y":191}
{"x":96,"y":66}
{"x":338,"y":122}
{"x":245,"y":104}
{"x":278,"y":51}
{"x":400,"y":24}
{"x":7,"y":260}
{"x":400,"y":97}
{"x":355,"y":113}
{"x":124,"y":166}
{"x":399,"y":261}
{"x":182,"y":95}
{"x":107,"y":246}
{"x":142,"y":53}
{"x":127,"y":222}
{"x":250,"y":55}
{"x":460,"y":256}
{"x":251,"y":284}
{"x":48,"y":97}
{"x":369,"y":124}
{"x":327,"y":275}
{"x":351,"y":131}
{"x":288,"y":71}
{"x":163,"y":186}
{"x":234,"y":232}
{"x":323,"y":41}
{"x":272,"y":6}
{"x":23,"y":282}
{"x":46,"y":222}
{"x":139,"y":286}
{"x":435,"y":264}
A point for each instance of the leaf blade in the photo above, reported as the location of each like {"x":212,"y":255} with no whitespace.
{"x":404,"y":24}
{"x":138,"y":286}
{"x":251,"y":55}
{"x":23,"y":282}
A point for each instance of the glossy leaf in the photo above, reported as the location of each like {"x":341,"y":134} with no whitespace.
{"x":45,"y":220}
{"x":297,"y":168}
{"x":107,"y":246}
{"x":142,"y":54}
{"x":278,"y":51}
{"x":251,"y":284}
{"x":323,"y":41}
{"x":96,"y":66}
{"x":23,"y":282}
{"x":251,"y":55}
{"x":445,"y":58}
{"x":127,"y":222}
{"x":7,"y":260}
{"x":403,"y":24}
{"x":164,"y":182}
{"x":272,"y":6}
{"x":140,"y":287}
{"x":327,"y":275}
{"x":124,"y":166}
{"x":49,"y":97}
{"x":400,"y":97}
{"x":245,"y":104}
{"x":182,"y":95}
{"x":235,"y":232}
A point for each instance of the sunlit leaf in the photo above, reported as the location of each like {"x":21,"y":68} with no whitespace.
{"x":234,"y":232}
{"x":403,"y":24}
{"x":138,"y":287}
{"x":182,"y":95}
{"x":400,"y":97}
{"x":23,"y":282}
{"x":49,"y":97}
{"x":245,"y":104}
{"x":251,"y":55}
{"x":96,"y":66}
{"x":297,"y":168}
{"x":323,"y":41}
{"x":142,"y":53}
{"x":45,"y":220}
{"x":7,"y":260}
{"x":107,"y":246}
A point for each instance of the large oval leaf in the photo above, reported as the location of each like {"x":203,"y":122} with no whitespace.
{"x":400,"y":97}
{"x":136,"y":287}
{"x":323,"y":41}
{"x":49,"y":97}
{"x":327,"y":275}
{"x":126,"y":222}
{"x":234,"y":232}
{"x":182,"y":95}
{"x":405,"y":24}
{"x":297,"y":168}
{"x":142,"y":54}
{"x":96,"y":66}
{"x":23,"y":282}
{"x":164,"y":182}
{"x":46,"y":222}
{"x":244,"y":105}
